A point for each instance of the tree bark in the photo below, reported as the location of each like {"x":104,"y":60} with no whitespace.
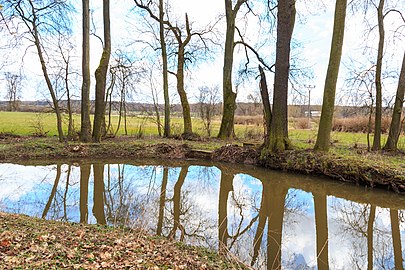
{"x":378,"y":88}
{"x":166,"y":130}
{"x":278,"y":139}
{"x":69,"y":105}
{"x":101,"y":75}
{"x":226,"y":131}
{"x":266,"y":105}
{"x":187,"y":128}
{"x":395,"y":127}
{"x":328,"y":104}
{"x":85,"y":132}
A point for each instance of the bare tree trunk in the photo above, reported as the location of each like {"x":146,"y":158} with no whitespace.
{"x":119,"y":116}
{"x":328,"y":104}
{"x":46,"y":75}
{"x":182,"y":93}
{"x":69,"y":106}
{"x":378,"y":88}
{"x":110,"y":89}
{"x":156,"y":107}
{"x":85,"y":133}
{"x":264,"y":92}
{"x":395,"y":127}
{"x":101,"y":75}
{"x":166,"y":130}
{"x":125,"y":117}
{"x":278,"y":139}
{"x":226,"y":131}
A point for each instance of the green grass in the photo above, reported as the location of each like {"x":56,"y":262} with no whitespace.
{"x":24,"y":123}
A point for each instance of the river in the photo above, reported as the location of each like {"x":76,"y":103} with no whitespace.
{"x":268,"y":219}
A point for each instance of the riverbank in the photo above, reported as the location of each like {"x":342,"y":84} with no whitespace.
{"x":381,"y":170}
{"x":33,"y":243}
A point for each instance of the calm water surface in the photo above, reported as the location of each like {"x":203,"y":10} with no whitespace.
{"x":268,"y":219}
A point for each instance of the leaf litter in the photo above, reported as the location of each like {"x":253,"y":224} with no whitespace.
{"x":33,"y":243}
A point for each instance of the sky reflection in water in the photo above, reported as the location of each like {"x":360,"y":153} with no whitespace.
{"x":248,"y":211}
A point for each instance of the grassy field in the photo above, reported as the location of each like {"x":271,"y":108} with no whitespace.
{"x":22,"y":123}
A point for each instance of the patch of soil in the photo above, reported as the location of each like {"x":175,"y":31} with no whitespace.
{"x":6,"y":137}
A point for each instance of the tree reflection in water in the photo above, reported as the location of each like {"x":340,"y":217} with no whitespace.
{"x":321,"y":224}
{"x":162,"y":201}
{"x":259,"y":217}
{"x":373,"y":245}
{"x":98,"y":193}
{"x":84,"y":192}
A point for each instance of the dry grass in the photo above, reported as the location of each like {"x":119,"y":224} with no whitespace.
{"x":256,"y":120}
{"x":301,"y":123}
{"x":359,"y":124}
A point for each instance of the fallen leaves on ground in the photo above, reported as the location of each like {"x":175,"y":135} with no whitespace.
{"x":32,"y":243}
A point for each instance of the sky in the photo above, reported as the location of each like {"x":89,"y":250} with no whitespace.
{"x":313,"y":31}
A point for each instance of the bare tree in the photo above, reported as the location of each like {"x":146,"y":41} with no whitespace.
{"x":328,"y":104}
{"x":229,"y":96}
{"x":161,"y":20}
{"x":65,"y":48}
{"x":85,"y":133}
{"x":13,"y":87}
{"x":395,"y":127}
{"x":101,"y":76}
{"x":278,"y":137}
{"x":208,"y":101}
{"x":42,"y":20}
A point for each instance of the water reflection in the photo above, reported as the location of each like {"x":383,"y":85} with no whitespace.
{"x":270,"y":220}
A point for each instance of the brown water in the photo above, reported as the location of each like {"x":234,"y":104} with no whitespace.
{"x":266,"y":218}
